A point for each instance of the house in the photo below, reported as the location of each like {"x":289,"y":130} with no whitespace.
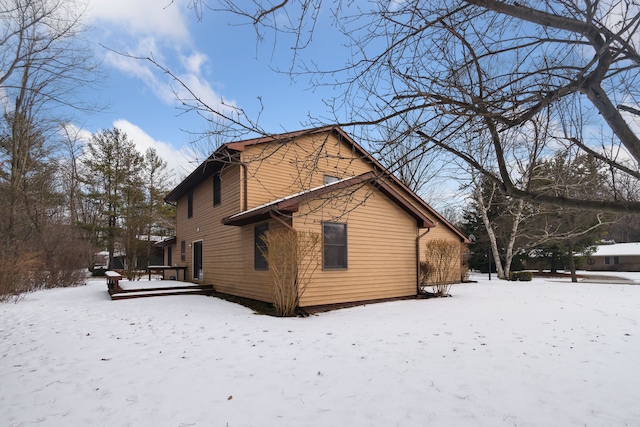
{"x":152,"y":244}
{"x":318,"y":180}
{"x":615,"y":257}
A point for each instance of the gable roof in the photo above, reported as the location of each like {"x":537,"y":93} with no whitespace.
{"x":290,"y":204}
{"x":225,"y":154}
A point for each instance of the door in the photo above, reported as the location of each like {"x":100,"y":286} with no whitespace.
{"x":197,"y":260}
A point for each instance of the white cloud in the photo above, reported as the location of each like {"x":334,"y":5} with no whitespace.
{"x":205,"y":93}
{"x":148,"y":17}
{"x":178,"y":160}
{"x":194,"y":62}
{"x":149,"y":29}
{"x":143,"y":70}
{"x":160,"y":30}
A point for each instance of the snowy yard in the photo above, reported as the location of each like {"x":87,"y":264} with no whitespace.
{"x":544,"y":353}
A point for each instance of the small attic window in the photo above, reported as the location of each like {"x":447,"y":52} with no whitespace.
{"x":328,"y":179}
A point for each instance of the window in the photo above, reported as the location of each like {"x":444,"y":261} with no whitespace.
{"x":616,"y":260}
{"x":259,"y":261}
{"x":169,"y":260}
{"x":216,"y":189}
{"x":334,"y":238}
{"x":190,"y":204}
{"x":183,"y":251}
{"x":607,"y":260}
{"x":328,"y":179}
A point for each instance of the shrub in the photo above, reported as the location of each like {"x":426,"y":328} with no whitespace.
{"x":293,"y":257}
{"x":441,"y":267}
{"x":99,"y":271}
{"x":464,"y":272}
{"x":17,"y":273}
{"x":523,"y":276}
{"x":65,"y":253}
{"x":526,"y":276}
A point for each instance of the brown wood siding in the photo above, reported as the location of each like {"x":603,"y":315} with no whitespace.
{"x":381,"y":241}
{"x":239,"y":276}
{"x":381,"y":236}
{"x":277,"y":170}
{"x":217,"y":240}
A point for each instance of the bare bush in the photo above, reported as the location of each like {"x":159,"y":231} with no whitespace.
{"x":17,"y":272}
{"x":441,"y":267}
{"x":67,"y":255}
{"x":293,"y":257}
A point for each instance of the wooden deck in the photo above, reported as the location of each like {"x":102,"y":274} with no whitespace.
{"x":130,"y":291}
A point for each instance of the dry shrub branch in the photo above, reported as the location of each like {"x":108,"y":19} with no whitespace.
{"x":293,"y":258}
{"x":17,"y":276}
{"x":441,"y":267}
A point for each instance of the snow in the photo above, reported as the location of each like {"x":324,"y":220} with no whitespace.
{"x":540,"y":353}
{"x":617,"y":249}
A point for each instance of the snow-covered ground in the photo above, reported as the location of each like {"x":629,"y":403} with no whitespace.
{"x":543,"y":353}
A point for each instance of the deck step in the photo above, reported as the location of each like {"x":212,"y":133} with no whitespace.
{"x":159,"y":292}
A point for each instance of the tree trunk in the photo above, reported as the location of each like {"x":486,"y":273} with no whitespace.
{"x":490,"y":232}
{"x":508,"y":256}
{"x":572,"y":263}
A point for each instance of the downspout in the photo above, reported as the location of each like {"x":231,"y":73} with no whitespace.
{"x":419,"y":236}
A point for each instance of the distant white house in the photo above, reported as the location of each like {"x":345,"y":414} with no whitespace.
{"x":615,"y":257}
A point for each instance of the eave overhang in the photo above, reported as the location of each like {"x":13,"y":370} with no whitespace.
{"x":290,"y":204}
{"x":166,"y":242}
{"x":212,"y":165}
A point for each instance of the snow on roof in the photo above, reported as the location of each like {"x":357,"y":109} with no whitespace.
{"x":618,"y":249}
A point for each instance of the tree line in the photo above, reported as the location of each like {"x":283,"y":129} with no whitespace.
{"x":59,"y":209}
{"x":514,"y":234}
{"x":62,"y":198}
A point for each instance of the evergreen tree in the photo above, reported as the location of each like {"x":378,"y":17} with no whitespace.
{"x":111,"y":173}
{"x":127,"y":189}
{"x":562,"y":232}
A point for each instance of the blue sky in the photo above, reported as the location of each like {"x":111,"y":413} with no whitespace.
{"x":217,"y":59}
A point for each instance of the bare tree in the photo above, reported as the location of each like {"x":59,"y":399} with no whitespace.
{"x":42,"y":61}
{"x":463,"y":69}
{"x":510,"y":213}
{"x":416,"y":165}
